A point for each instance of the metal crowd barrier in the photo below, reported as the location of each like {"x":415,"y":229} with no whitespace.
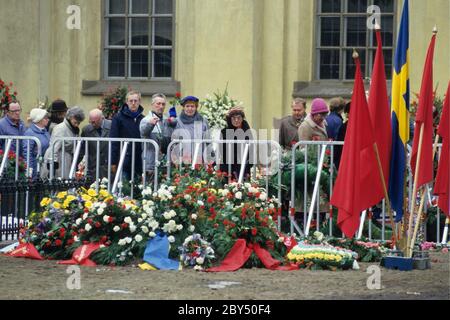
{"x":18,"y":194}
{"x":114,"y":179}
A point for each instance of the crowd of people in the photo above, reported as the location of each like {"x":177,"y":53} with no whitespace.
{"x":323,"y":123}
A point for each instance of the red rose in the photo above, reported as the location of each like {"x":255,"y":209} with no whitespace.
{"x":62,"y":230}
{"x":110,"y":219}
{"x":216,"y":225}
{"x":124,"y":225}
{"x":70,"y":242}
{"x":178,"y":95}
{"x":254,"y":231}
{"x":103,"y":239}
{"x":51,"y":234}
{"x":58,"y":243}
{"x":98,"y":224}
{"x":73,"y":234}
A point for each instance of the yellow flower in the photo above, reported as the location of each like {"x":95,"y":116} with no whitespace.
{"x":213,"y":191}
{"x":203,"y":182}
{"x":92,"y":193}
{"x":56,"y":205}
{"x":104,"y":193}
{"x":45,"y":202}
{"x":61,"y":195}
{"x":88,"y":204}
{"x":70,"y":198}
{"x":197,"y":185}
{"x":45,"y":214}
{"x":86,"y":197}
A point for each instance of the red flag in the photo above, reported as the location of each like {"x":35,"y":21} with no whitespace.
{"x":442,"y":185}
{"x":380,"y":111}
{"x":25,"y":250}
{"x":424,"y":122}
{"x":358,"y":185}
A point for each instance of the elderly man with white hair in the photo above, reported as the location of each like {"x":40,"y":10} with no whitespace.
{"x":98,"y":127}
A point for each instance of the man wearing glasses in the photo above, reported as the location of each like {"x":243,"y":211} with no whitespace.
{"x":12,"y":125}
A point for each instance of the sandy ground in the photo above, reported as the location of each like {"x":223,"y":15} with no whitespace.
{"x":29,"y":279}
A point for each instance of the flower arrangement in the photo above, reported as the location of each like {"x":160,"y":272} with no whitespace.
{"x":196,"y":252}
{"x":6,"y":96}
{"x":10,"y":170}
{"x":216,"y":107}
{"x":113,"y":100}
{"x":322,"y":257}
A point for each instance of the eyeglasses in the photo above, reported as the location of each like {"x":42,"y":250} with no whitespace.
{"x":15,"y":111}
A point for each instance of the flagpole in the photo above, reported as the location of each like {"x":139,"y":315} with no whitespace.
{"x":386,"y":195}
{"x":414,"y":193}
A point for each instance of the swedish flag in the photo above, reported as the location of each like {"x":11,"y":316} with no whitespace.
{"x":400,"y":115}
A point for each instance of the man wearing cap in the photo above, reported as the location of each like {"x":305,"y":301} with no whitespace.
{"x":158,"y":128}
{"x":98,"y":127}
{"x":334,"y":119}
{"x":191,"y":126}
{"x":58,"y":110}
{"x":314,"y":126}
{"x":12,"y":125}
{"x":290,"y":124}
{"x":39,"y":120}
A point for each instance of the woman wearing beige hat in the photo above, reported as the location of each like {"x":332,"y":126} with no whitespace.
{"x":39,"y":121}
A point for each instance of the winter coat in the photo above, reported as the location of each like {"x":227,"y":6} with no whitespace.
{"x":8,"y":128}
{"x":310,"y":131}
{"x":237,"y":153}
{"x":126,"y":125}
{"x":289,"y":131}
{"x":161,"y":134}
{"x":44,"y":138}
{"x":90,"y":132}
{"x":64,"y":129}
{"x":334,"y":123}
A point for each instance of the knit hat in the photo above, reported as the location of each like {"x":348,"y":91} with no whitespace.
{"x":319,"y":106}
{"x":37,"y":115}
{"x":58,"y":106}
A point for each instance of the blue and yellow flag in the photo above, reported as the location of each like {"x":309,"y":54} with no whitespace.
{"x":400,"y":116}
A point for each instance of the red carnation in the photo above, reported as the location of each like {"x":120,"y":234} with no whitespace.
{"x":178,"y":95}
{"x":62,"y":230}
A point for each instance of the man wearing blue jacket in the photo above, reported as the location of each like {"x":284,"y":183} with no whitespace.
{"x":125,"y":124}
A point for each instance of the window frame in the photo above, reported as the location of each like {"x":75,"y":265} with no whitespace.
{"x":151,"y":47}
{"x":342,"y":48}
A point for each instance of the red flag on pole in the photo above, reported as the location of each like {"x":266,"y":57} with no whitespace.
{"x":442,"y":185}
{"x":379,"y":109}
{"x":424,"y":122}
{"x":358,"y":185}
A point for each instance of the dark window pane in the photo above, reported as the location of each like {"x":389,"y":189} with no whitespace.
{"x":139,"y":6}
{"x":331,"y":6}
{"x":163,"y":32}
{"x":116,"y":32}
{"x":163,"y":6}
{"x":329,"y":64}
{"x":386,"y":6}
{"x":356,"y":32}
{"x":139,"y":63}
{"x":116,"y":63}
{"x":117,"y":6}
{"x":330,"y":32}
{"x":162,"y":63}
{"x":357,"y":6}
{"x":387,"y":62}
{"x":350,"y":66}
{"x":139,"y":31}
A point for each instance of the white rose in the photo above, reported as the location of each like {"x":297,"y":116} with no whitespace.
{"x":127,"y":220}
{"x":238,"y":195}
{"x":138,"y":238}
{"x":193,"y":216}
{"x":187,"y":197}
{"x":122,"y":242}
{"x":263,"y":196}
{"x":167,"y":215}
{"x":132,"y":228}
{"x":200,"y":260}
{"x":144,"y":216}
{"x":191,"y":228}
{"x":179,"y":227}
{"x":79,"y":221}
{"x":87,"y":227}
{"x":171,"y":239}
{"x":144,"y":229}
{"x":140,"y":220}
{"x":173,"y":213}
{"x":85,"y":216}
{"x":106,"y":218}
{"x":152,"y":234}
{"x":116,"y":229}
{"x":200,"y":203}
{"x":128,"y":239}
{"x":100,"y":211}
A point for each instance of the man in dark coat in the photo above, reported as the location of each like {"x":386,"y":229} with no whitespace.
{"x":290,"y":124}
{"x":125,"y":124}
{"x":98,"y":127}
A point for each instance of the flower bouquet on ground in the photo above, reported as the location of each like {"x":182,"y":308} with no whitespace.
{"x":113,"y":100}
{"x":196,"y":252}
